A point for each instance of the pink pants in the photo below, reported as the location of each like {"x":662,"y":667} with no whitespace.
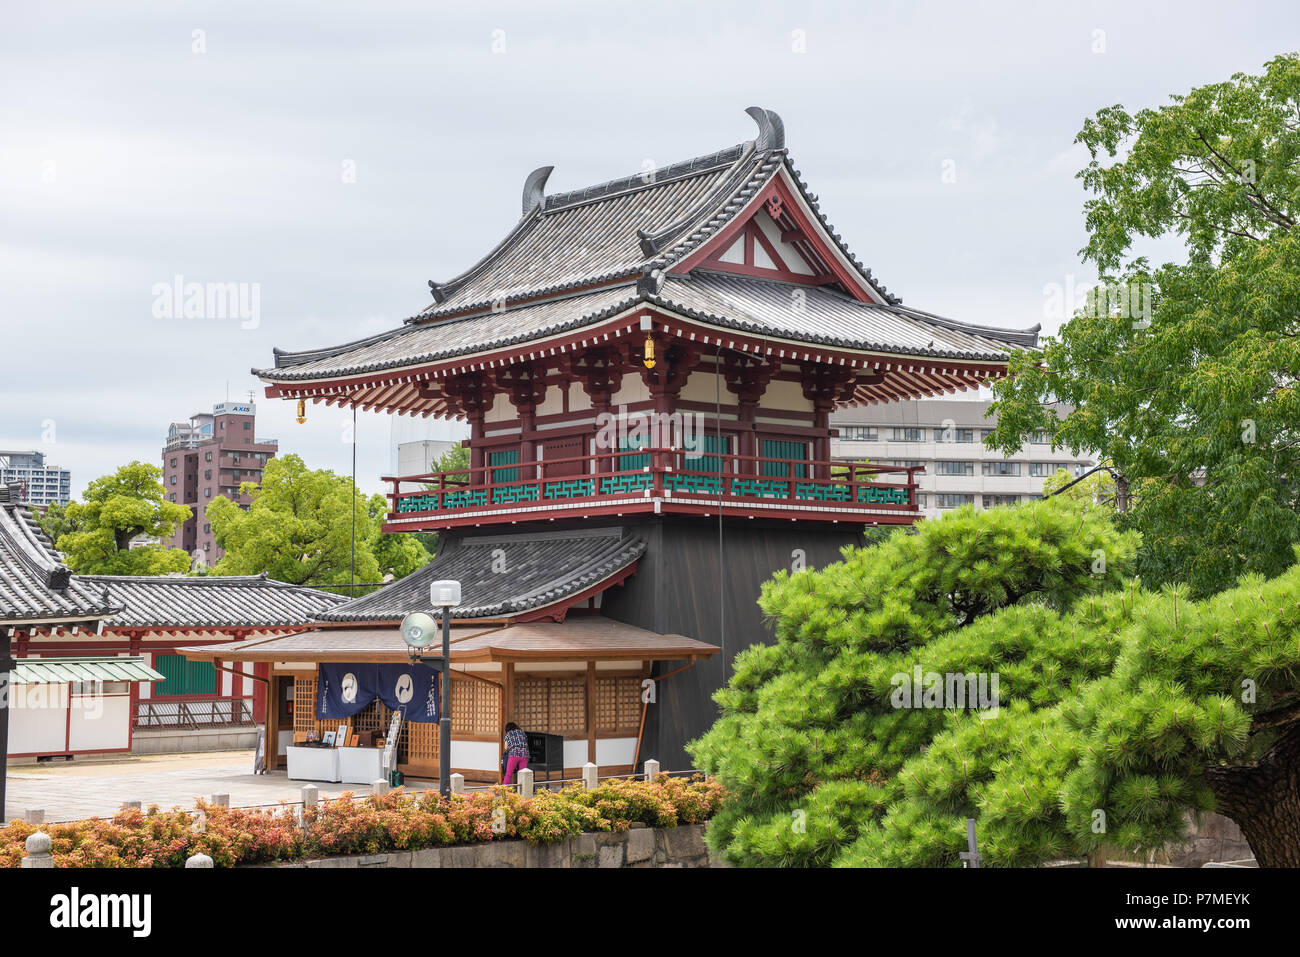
{"x":514,"y":763}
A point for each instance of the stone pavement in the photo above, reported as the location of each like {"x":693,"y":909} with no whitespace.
{"x":69,"y":791}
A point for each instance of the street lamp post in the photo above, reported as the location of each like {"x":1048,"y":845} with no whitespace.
{"x":443,"y":594}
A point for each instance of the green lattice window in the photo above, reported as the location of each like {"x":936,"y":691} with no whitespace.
{"x":505,"y":457}
{"x":184,"y":677}
{"x":626,"y":462}
{"x":780,"y":449}
{"x":713,"y":443}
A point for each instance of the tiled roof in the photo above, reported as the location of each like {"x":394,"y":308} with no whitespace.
{"x":591,"y":235}
{"x":210,"y":601}
{"x":735,"y":302}
{"x":621,"y":236}
{"x":412,"y":345}
{"x":503,"y":575}
{"x":577,"y":637}
{"x":819,"y":314}
{"x":35,"y":585}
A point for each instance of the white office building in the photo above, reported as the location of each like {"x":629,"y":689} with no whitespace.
{"x":42,"y":484}
{"x":946,"y":437}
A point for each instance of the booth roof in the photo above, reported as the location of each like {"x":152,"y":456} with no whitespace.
{"x":54,"y":671}
{"x":584,"y":637}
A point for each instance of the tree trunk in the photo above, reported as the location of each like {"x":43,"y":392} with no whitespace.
{"x":1264,"y":801}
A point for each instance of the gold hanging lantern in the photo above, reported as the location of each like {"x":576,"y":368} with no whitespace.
{"x":649,"y":352}
{"x":302,"y":411}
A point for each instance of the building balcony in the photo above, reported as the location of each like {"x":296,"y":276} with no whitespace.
{"x":654,"y":481}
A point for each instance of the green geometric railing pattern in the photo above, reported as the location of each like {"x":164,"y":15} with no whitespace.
{"x":510,"y":494}
{"x":418,"y":503}
{"x":465,"y":499}
{"x":759,"y":488}
{"x":636,"y":481}
{"x":882,"y":495}
{"x":623,"y":484}
{"x":572,"y":488}
{"x":823,"y":493}
{"x":703,"y":484}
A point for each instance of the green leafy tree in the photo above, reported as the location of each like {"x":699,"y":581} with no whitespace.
{"x":1118,"y":713}
{"x":398,"y":553}
{"x":298,"y":527}
{"x":1192,"y":396}
{"x":117,"y":508}
{"x":54,"y":521}
{"x":809,"y":745}
{"x":454,"y":460}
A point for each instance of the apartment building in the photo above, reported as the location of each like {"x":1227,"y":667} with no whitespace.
{"x":946,"y":436}
{"x":209,"y":457}
{"x":42,"y":484}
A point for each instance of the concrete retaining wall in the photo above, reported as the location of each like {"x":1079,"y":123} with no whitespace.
{"x":206,"y":739}
{"x":639,"y":847}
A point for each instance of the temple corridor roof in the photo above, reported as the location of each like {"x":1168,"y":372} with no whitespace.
{"x":504,"y":576}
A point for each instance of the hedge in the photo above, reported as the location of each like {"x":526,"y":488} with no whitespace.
{"x":400,"y":820}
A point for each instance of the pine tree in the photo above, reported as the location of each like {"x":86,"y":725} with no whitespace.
{"x":1118,"y":710}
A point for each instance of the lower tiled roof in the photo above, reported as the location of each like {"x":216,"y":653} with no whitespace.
{"x":210,"y":601}
{"x":35,"y":585}
{"x":504,"y":575}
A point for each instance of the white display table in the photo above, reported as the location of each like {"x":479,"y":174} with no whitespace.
{"x":360,"y":765}
{"x":313,"y":764}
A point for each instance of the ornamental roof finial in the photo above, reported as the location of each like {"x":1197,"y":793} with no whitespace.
{"x":534,"y":187}
{"x":771,"y":129}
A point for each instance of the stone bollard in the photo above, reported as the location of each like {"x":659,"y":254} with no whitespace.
{"x":35,"y":815}
{"x":651,"y":769}
{"x":198,"y":860}
{"x":524,"y":776}
{"x":132,"y":805}
{"x":310,"y":796}
{"x":220,"y":800}
{"x":379,"y":786}
{"x":458,"y":784}
{"x":38,"y":851}
{"x":590,"y":776}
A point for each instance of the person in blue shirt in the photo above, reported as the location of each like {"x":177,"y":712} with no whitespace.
{"x":516,"y":751}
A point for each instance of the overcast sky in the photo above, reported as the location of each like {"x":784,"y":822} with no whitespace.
{"x":134,"y":149}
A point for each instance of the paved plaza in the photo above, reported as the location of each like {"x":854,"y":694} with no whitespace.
{"x":69,"y":791}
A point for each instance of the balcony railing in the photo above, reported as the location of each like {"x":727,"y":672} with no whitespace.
{"x":191,"y":715}
{"x":655,"y":479}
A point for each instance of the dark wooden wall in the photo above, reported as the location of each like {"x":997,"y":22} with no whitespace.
{"x":691,"y":583}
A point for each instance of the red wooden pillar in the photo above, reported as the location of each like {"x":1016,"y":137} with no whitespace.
{"x":476,"y":454}
{"x":261,"y":669}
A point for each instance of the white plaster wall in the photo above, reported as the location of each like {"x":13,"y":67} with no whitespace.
{"x":475,"y":755}
{"x":575,"y":753}
{"x":98,"y":725}
{"x":37,"y":718}
{"x":611,"y":751}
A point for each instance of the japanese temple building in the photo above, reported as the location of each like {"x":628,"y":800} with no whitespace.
{"x":647,"y":368}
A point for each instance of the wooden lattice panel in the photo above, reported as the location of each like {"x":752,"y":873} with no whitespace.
{"x":475,"y":707}
{"x":530,"y":711}
{"x":304,"y":707}
{"x":421,"y":743}
{"x":568,"y":706}
{"x":618,"y":705}
{"x":554,"y":705}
